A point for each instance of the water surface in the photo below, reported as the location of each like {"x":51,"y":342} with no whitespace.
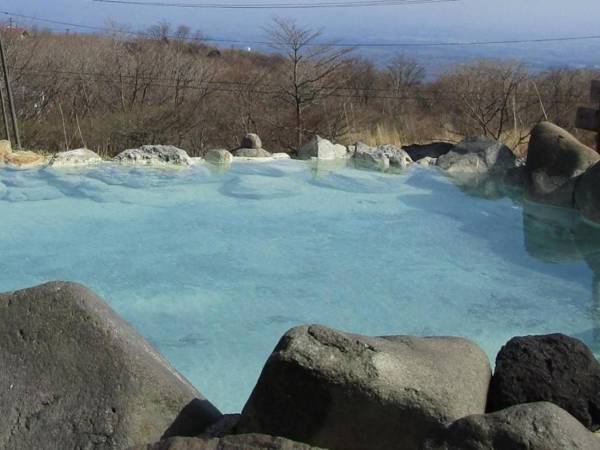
{"x":213,"y":267}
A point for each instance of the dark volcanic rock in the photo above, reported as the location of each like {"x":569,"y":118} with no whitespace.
{"x":555,"y":158}
{"x":534,"y":426}
{"x":238,"y":442}
{"x":434,"y":150}
{"x":76,"y":376}
{"x":345,"y":391}
{"x":553,"y":368}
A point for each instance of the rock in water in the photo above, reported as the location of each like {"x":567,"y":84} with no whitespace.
{"x":477,"y":155}
{"x":74,"y":158}
{"x":251,"y":153}
{"x":587,"y":193}
{"x":154,"y":155}
{"x":555,"y":158}
{"x":380,"y":158}
{"x":218,"y":156}
{"x":345,"y":391}
{"x":534,"y":426}
{"x":238,"y":442}
{"x":251,"y":141}
{"x":367,"y":158}
{"x":74,"y":375}
{"x":553,"y":368}
{"x":321,"y":148}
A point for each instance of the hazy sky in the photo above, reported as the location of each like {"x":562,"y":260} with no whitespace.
{"x":472,"y":19}
{"x":459,"y":21}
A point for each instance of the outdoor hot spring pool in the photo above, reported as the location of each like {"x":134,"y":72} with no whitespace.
{"x":213,"y":267}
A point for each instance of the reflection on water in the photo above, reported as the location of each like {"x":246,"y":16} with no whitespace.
{"x":552,"y":235}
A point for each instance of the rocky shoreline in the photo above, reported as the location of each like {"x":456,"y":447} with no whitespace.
{"x":559,"y":170}
{"x":75,"y":375}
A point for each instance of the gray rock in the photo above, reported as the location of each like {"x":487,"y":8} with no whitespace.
{"x":427,"y":161}
{"x":154,"y":155}
{"x":237,"y":442}
{"x":251,"y":141}
{"x":218,"y":156}
{"x":251,"y":153}
{"x":380,"y":158}
{"x":477,"y":155}
{"x":75,"y":375}
{"x":532,"y":426}
{"x":346,"y":391}
{"x":366,"y":157}
{"x":321,"y":148}
{"x":397,"y":156}
{"x":587,"y":194}
{"x":433,"y":150}
{"x":555,"y":158}
{"x":75,"y":158}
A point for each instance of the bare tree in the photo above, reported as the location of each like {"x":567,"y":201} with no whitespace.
{"x":310,"y":67}
{"x":404,"y":73}
{"x":491,"y":97}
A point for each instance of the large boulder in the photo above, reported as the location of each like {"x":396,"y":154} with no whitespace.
{"x":75,"y":158}
{"x":477,"y":155}
{"x":345,"y":391}
{"x":534,"y":426}
{"x":555,"y":159}
{"x":381,"y":158}
{"x":321,"y":148}
{"x":218,"y":156}
{"x":75,"y":375}
{"x":587,"y":193}
{"x":236,"y":442}
{"x":553,"y":368}
{"x":434,"y":150}
{"x":154,"y":155}
{"x":251,"y":140}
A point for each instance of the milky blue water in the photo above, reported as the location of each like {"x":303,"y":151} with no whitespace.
{"x":214,"y":267}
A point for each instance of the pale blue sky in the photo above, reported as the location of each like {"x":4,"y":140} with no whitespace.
{"x":464,"y":20}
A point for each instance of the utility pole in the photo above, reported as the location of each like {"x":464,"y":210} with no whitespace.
{"x":11,"y":103}
{"x":4,"y":115}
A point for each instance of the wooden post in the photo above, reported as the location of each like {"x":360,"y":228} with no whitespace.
{"x":595,"y":96}
{"x":589,"y":118}
{"x":11,"y":103}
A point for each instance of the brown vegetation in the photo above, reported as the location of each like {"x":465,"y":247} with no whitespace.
{"x":116,"y":91}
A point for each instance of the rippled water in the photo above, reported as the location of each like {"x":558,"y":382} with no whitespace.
{"x":213,"y":267}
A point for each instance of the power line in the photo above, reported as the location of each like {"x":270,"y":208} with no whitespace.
{"x":343,"y":45}
{"x":210,"y":82}
{"x":353,"y":4}
{"x":273,"y":91}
